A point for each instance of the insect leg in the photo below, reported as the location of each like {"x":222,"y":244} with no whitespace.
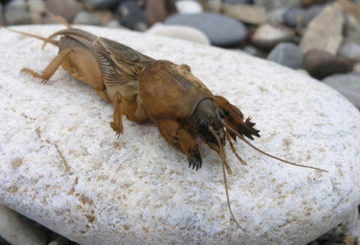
{"x":51,"y":68}
{"x":182,"y":140}
{"x":117,"y":124}
{"x":235,"y":118}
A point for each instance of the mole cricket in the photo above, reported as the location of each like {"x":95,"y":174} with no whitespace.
{"x":145,"y":89}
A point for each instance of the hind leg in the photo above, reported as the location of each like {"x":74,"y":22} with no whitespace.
{"x":51,"y":68}
{"x":132,"y":109}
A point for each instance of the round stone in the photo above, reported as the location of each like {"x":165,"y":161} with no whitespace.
{"x":221,"y":30}
{"x":63,"y":166}
{"x":287,"y":54}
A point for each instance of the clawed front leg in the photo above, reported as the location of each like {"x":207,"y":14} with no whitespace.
{"x":179,"y":138}
{"x":235,"y":119}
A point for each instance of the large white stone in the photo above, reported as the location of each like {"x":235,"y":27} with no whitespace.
{"x":61,"y":164}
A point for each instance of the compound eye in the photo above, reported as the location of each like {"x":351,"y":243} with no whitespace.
{"x":203,"y":124}
{"x":221,"y":113}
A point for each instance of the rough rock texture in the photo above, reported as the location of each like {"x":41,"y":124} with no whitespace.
{"x":62,"y":165}
{"x":325,"y":30}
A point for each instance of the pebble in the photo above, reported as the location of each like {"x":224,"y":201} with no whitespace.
{"x":275,"y":4}
{"x":88,"y":191}
{"x":324,"y":31}
{"x":36,"y":8}
{"x":86,"y":18}
{"x":287,"y":54}
{"x":320,"y":63}
{"x":352,"y":28}
{"x":221,"y":30}
{"x":181,"y":32}
{"x":350,"y":51}
{"x":157,"y":10}
{"x":308,"y":3}
{"x":238,"y":1}
{"x":211,"y":5}
{"x":268,"y":36}
{"x":247,"y":13}
{"x":18,"y":229}
{"x":65,"y":8}
{"x":132,"y":15}
{"x":16,"y":13}
{"x":275,"y":17}
{"x":103,"y":4}
{"x":348,"y":85}
{"x":294,"y":17}
{"x":188,"y":7}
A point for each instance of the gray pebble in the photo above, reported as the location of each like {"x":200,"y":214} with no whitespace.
{"x":132,"y":15}
{"x":104,"y":4}
{"x":350,"y":51}
{"x":16,"y":13}
{"x":65,"y":8}
{"x":276,"y":16}
{"x":275,"y":4}
{"x":294,"y":16}
{"x":287,"y":54}
{"x":18,"y":229}
{"x":221,"y":30}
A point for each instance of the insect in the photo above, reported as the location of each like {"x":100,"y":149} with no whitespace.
{"x":145,"y":89}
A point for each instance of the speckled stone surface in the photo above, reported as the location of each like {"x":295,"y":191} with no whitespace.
{"x":61,"y":164}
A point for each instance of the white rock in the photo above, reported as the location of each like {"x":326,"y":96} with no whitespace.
{"x":18,"y":230}
{"x":269,"y":36}
{"x":63,"y":166}
{"x":180,"y":32}
{"x":188,"y":7}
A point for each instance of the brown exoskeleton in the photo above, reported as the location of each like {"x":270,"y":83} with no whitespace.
{"x":145,"y":89}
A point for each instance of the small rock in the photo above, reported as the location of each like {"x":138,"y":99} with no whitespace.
{"x":245,"y":12}
{"x":251,"y":50}
{"x":103,"y":4}
{"x":294,"y":17}
{"x":238,"y":1}
{"x":324,"y":31}
{"x":356,"y":67}
{"x":16,"y":13}
{"x":320,"y":63}
{"x":114,"y":24}
{"x":221,"y":30}
{"x":158,"y":10}
{"x":352,"y":21}
{"x":287,"y":54}
{"x":211,"y":5}
{"x":132,"y":15}
{"x":66,"y":8}
{"x":267,"y":36}
{"x":312,"y":12}
{"x":181,"y":32}
{"x":188,"y":7}
{"x":36,"y":8}
{"x":276,"y":4}
{"x":350,"y":51}
{"x":308,"y":3}
{"x":86,"y":18}
{"x":18,"y":229}
{"x":348,"y":85}
{"x":275,"y":17}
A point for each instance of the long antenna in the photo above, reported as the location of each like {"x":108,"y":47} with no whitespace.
{"x":223,"y":161}
{"x":267,"y":154}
